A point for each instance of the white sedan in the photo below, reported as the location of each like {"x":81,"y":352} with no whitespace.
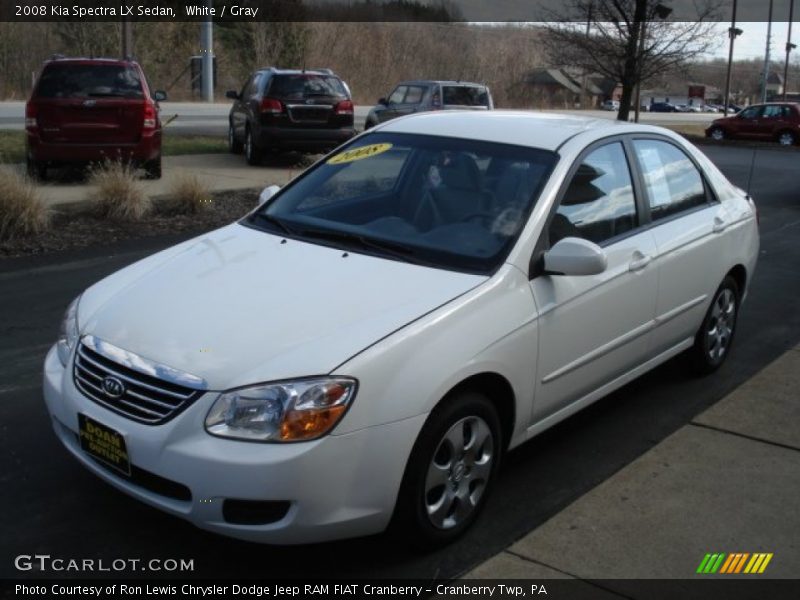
{"x":362,"y":349}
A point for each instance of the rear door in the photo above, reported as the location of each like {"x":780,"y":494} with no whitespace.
{"x":687,"y":223}
{"x":595,"y":328}
{"x":90,"y":103}
{"x":774,"y":118}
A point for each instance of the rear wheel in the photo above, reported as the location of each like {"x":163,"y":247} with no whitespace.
{"x":787,"y":138}
{"x":36,"y":170}
{"x":451,"y":470}
{"x":717,"y":133}
{"x":152,"y":168}
{"x":234,"y":145}
{"x":713,"y":341}
{"x":252,"y":152}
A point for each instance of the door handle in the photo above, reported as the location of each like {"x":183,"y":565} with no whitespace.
{"x":719,"y":225}
{"x":639,"y":262}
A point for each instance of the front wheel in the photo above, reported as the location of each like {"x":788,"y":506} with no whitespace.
{"x":234,"y":145}
{"x":451,"y":470}
{"x":713,"y":341}
{"x":787,"y":138}
{"x":717,"y":133}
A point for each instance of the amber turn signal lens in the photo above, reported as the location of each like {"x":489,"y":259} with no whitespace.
{"x":309,"y":424}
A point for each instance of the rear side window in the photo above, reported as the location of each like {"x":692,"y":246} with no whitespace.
{"x":672,"y":181}
{"x":465,"y":95}
{"x":304,"y":85}
{"x":89,"y":81}
{"x":599,"y":203}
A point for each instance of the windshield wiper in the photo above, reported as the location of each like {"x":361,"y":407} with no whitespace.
{"x":392,"y":249}
{"x":275,"y":221}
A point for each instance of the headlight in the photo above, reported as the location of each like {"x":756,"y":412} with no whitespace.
{"x":68,"y":334}
{"x":289,"y":411}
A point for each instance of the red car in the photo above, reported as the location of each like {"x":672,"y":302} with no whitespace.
{"x":85,"y":110}
{"x":777,"y":121}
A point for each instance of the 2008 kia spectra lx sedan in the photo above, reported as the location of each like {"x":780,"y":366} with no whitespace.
{"x":363,"y":348}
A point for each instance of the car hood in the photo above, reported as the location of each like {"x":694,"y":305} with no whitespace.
{"x":240,"y":306}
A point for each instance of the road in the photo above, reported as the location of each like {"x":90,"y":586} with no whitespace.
{"x":195,"y":118}
{"x":51,"y":505}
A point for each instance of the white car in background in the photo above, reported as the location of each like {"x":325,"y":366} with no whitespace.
{"x":363,"y":348}
{"x":610,"y":105}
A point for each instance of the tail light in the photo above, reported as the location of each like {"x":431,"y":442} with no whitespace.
{"x":30,"y":116}
{"x":150,"y":116}
{"x":345,"y":107}
{"x":271,"y":106}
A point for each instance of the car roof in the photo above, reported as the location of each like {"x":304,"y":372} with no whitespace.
{"x":440,"y":81}
{"x":77,"y":60}
{"x":547,"y":131}
{"x":296,"y":71}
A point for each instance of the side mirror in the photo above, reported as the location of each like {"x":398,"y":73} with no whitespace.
{"x":575,"y":256}
{"x":159,"y":95}
{"x":232,"y":94}
{"x":383,"y":101}
{"x":267,"y":193}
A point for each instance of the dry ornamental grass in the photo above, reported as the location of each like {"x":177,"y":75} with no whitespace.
{"x":188,"y":195}
{"x":22,"y":211}
{"x":117,"y":192}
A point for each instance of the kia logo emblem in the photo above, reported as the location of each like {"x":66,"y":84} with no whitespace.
{"x":113,"y":387}
{"x":89,"y":102}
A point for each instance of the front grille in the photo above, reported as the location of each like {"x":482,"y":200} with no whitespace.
{"x":145,"y":398}
{"x":309,"y":114}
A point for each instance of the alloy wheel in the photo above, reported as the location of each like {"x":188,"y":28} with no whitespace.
{"x":720,"y":325}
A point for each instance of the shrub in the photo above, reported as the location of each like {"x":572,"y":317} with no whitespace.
{"x":188,"y":195}
{"x":118,"y":193}
{"x":22,"y":210}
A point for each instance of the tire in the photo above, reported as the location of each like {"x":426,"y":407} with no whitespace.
{"x":369,"y":124}
{"x":152,"y":168}
{"x":717,"y":133}
{"x":787,"y":138}
{"x":252,"y":153}
{"x":450,"y":471}
{"x":234,"y":145}
{"x":36,"y":170}
{"x":713,"y":340}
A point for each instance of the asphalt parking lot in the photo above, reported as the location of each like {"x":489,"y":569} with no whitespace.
{"x":51,"y":505}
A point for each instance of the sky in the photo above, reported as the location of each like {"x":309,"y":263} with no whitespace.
{"x":752,"y":42}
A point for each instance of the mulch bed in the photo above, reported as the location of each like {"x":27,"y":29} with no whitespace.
{"x":71,"y":229}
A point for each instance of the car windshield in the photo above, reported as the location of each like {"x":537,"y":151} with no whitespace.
{"x":443,"y":202}
{"x":305,"y":85}
{"x":89,"y":81}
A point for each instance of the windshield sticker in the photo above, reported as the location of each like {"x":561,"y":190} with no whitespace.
{"x":359,"y":153}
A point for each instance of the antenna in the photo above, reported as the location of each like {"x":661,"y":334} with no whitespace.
{"x":752,"y":168}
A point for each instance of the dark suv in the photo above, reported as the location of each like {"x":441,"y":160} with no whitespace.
{"x":281,"y":109}
{"x":91,"y":109}
{"x":423,"y":95}
{"x":778,"y":121}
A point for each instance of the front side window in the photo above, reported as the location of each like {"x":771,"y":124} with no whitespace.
{"x":414,"y":94}
{"x":447,"y":203}
{"x":89,"y":81}
{"x":598,"y":203}
{"x":398,"y":94}
{"x":752,"y":112}
{"x":672,"y":181}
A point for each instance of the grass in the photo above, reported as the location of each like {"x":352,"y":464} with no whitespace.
{"x":12,"y":145}
{"x":117,"y":193}
{"x":22,"y":211}
{"x":188,"y":195}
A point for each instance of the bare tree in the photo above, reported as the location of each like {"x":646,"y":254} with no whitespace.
{"x":629,"y":41}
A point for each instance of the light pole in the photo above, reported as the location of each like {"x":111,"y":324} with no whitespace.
{"x":789,"y":47}
{"x":127,"y":38}
{"x":765,"y":81}
{"x":733,"y":33}
{"x":207,"y":43}
{"x":584,"y":92}
{"x":662,"y":12}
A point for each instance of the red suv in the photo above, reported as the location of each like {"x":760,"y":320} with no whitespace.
{"x":774,"y":121}
{"x":92,"y":109}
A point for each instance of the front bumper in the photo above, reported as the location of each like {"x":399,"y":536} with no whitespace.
{"x":338,"y":486}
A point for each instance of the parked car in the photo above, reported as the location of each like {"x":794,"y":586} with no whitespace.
{"x":85,"y":110}
{"x":663,"y":107}
{"x":776,"y":121}
{"x":610,"y":105}
{"x":362,"y":349}
{"x":710,"y":108}
{"x":424,"y":95}
{"x":289,"y":109}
